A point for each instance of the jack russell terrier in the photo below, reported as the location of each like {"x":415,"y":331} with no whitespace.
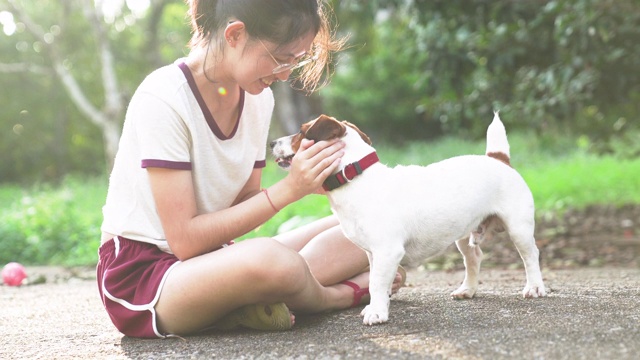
{"x":409,"y":213}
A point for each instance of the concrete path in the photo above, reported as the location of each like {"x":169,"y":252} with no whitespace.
{"x":588,"y":314}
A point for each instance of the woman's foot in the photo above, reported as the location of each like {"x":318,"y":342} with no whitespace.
{"x":267,"y":317}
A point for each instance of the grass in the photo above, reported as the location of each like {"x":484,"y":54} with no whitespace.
{"x":60,"y":224}
{"x":9,"y":194}
{"x":561,"y":174}
{"x":584,"y":180}
{"x":52,"y":225}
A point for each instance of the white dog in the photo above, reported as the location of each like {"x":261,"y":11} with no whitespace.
{"x":409,"y":213}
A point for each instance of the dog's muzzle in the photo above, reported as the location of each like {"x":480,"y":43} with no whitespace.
{"x":279,"y":151}
{"x":284,"y":162}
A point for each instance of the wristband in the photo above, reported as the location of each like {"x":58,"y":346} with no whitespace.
{"x":269,"y":199}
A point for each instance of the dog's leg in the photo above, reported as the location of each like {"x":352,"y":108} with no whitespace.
{"x":472,"y":258}
{"x":384,"y":264}
{"x":522,"y":237}
{"x":486,"y":230}
{"x":477,"y":236}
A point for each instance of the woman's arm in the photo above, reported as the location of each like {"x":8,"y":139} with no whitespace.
{"x":251,"y":188}
{"x":189,"y":234}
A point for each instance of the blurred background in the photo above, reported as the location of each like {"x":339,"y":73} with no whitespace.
{"x":421,"y":77}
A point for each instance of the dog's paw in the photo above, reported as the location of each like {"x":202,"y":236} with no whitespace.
{"x":372,"y":316}
{"x":534,"y":291}
{"x":463,"y":292}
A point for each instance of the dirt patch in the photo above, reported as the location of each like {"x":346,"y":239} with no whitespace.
{"x":595,"y":236}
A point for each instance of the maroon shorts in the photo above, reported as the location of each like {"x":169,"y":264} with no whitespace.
{"x":130,"y":278}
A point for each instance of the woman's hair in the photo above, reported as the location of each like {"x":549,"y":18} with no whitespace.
{"x":277,"y":21}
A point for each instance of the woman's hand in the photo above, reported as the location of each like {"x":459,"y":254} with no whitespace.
{"x":312,"y":164}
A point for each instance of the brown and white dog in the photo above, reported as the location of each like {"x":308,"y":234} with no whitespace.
{"x":409,"y":213}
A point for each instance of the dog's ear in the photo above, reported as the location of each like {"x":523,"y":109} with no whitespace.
{"x":362,"y":135}
{"x":325,"y":128}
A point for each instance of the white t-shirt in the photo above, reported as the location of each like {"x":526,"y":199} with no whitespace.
{"x":168,"y":125}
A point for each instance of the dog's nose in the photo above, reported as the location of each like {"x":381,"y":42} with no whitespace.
{"x":273,"y":144}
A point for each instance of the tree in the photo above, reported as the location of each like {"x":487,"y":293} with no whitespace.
{"x":55,"y":55}
{"x":98,"y":52}
{"x":423,"y":66}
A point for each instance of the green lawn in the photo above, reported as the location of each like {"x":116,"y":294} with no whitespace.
{"x":60,"y":225}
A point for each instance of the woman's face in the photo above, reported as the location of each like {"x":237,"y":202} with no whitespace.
{"x":260,"y":58}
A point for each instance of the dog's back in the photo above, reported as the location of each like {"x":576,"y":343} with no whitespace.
{"x":435,"y":205}
{"x":408,"y":213}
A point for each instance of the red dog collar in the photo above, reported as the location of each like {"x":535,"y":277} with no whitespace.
{"x":349,"y":172}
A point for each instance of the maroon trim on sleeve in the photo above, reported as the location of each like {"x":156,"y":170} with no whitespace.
{"x":260,"y":164}
{"x":165,"y":164}
{"x":205,"y":110}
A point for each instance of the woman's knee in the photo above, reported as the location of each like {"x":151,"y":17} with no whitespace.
{"x":278,"y":267}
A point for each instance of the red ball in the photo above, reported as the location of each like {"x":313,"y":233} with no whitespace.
{"x":13,"y":274}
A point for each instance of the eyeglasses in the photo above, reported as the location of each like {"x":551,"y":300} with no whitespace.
{"x":288,"y":67}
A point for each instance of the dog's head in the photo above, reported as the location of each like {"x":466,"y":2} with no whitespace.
{"x":322,"y":128}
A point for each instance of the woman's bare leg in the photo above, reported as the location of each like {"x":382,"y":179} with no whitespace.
{"x":201,"y":290}
{"x":299,"y":237}
{"x":332,"y":257}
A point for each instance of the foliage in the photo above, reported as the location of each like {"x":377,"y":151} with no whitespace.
{"x":60,"y":225}
{"x":52,"y":225}
{"x":44,"y":135}
{"x":416,"y":69}
{"x":583,"y":180}
{"x":561,"y":173}
{"x":440,"y":66}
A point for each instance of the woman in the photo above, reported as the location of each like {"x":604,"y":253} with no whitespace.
{"x":186,"y":182}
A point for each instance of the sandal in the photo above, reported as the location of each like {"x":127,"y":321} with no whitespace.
{"x":359,"y":293}
{"x":268,"y":317}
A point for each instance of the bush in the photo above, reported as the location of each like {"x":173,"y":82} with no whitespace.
{"x":53,"y":225}
{"x":430,"y":67}
{"x":59,"y":225}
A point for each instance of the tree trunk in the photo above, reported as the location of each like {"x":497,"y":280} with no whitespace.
{"x":109,"y":115}
{"x":292,"y":109}
{"x":111,"y":138}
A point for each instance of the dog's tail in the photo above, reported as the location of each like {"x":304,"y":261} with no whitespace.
{"x":497,"y":143}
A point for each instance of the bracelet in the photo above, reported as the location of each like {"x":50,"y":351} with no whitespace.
{"x":269,"y":199}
